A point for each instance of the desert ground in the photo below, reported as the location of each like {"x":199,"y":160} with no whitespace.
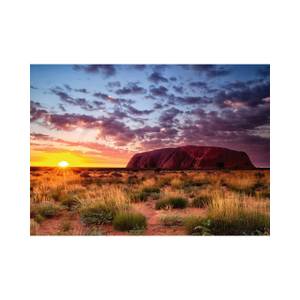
{"x":83,"y":201}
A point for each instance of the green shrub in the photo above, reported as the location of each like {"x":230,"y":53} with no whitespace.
{"x":70,"y":202}
{"x":126,"y":221}
{"x":97,"y":214}
{"x":247,"y":223}
{"x":195,"y":225}
{"x":173,"y":202}
{"x":44,"y":211}
{"x":151,"y":190}
{"x":38,"y":218}
{"x":201,"y":201}
{"x":145,"y":193}
{"x":171,"y":220}
{"x":139,"y":196}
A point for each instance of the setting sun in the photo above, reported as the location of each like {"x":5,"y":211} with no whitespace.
{"x":63,"y":164}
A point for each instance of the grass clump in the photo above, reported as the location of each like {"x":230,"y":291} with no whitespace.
{"x":144,"y":194}
{"x":171,"y":220}
{"x":70,"y":202}
{"x":128,"y":221}
{"x":176,"y":183}
{"x":44,"y":211}
{"x":139,"y":196}
{"x":229,"y":214}
{"x":201,"y":201}
{"x":173,"y":202}
{"x":245,"y":185}
{"x":195,"y":225}
{"x":58,"y":194}
{"x":246,"y":223}
{"x":151,"y":190}
{"x":101,"y":204}
{"x":98,"y":214}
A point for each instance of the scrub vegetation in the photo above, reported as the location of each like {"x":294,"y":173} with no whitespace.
{"x":82,"y":201}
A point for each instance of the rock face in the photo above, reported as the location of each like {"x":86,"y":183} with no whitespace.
{"x":191,"y":157}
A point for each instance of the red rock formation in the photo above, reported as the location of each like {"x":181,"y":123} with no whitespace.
{"x":191,"y":157}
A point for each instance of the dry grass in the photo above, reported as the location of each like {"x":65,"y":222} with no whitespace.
{"x":232,"y":214}
{"x":231,"y":202}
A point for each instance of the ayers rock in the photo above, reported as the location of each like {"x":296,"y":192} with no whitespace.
{"x":191,"y":157}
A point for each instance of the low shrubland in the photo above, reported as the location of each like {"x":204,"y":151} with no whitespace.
{"x":98,"y":202}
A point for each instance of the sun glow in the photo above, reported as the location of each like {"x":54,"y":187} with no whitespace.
{"x":63,"y":164}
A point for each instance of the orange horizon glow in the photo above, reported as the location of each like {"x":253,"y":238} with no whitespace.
{"x":53,"y":159}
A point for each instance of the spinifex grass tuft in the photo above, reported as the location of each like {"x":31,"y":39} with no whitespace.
{"x":126,"y":221}
{"x":175,"y":202}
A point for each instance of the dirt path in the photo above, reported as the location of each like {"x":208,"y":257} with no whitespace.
{"x":153,"y":218}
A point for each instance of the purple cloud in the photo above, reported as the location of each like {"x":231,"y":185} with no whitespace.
{"x":105,"y":70}
{"x":156,"y":77}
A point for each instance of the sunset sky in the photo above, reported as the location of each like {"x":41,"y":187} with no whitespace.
{"x":100,"y":115}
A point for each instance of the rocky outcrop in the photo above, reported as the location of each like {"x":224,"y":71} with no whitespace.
{"x":191,"y":157}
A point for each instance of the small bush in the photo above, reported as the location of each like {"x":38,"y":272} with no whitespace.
{"x":145,"y":193}
{"x":174,"y":202}
{"x":97,"y":215}
{"x":171,"y":221}
{"x":247,"y":223}
{"x":197,"y":226}
{"x":139,"y":197}
{"x":44,"y":211}
{"x":38,"y":218}
{"x":201,"y":201}
{"x":151,"y":190}
{"x":70,"y":202}
{"x":126,"y":221}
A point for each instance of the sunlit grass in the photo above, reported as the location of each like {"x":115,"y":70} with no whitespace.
{"x":229,"y":202}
